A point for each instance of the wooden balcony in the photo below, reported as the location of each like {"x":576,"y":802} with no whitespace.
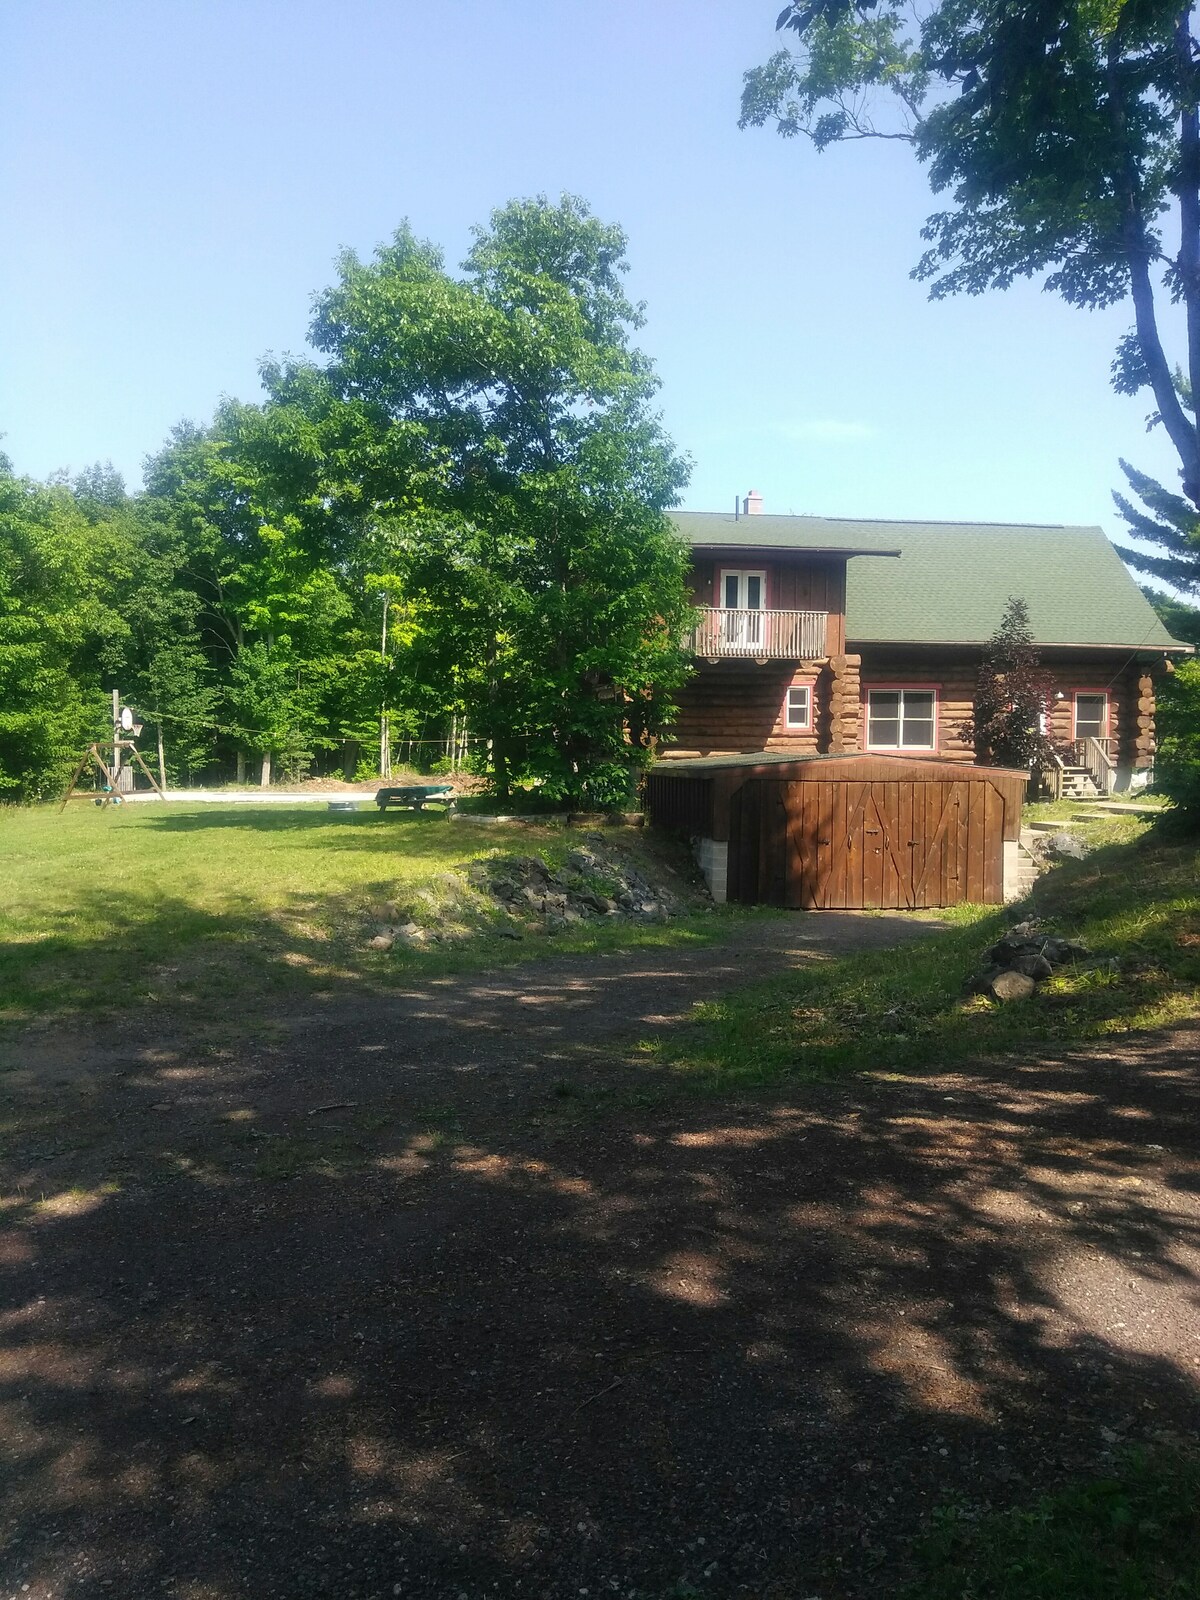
{"x":760,"y":635}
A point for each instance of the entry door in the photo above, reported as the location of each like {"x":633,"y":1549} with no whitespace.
{"x":1091,"y":716}
{"x":742,"y":597}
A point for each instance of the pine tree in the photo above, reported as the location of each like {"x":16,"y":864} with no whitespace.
{"x":1169,"y":522}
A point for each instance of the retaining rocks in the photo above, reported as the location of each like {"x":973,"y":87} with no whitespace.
{"x":1020,"y":960}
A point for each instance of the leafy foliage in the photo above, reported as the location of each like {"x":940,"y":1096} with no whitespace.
{"x":1181,"y":620}
{"x":1177,"y":762}
{"x":1062,"y":132}
{"x":496,"y":444}
{"x":451,"y":515}
{"x":1012,"y":691}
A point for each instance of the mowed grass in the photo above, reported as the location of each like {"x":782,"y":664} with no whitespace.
{"x":104,"y":910}
{"x":1135,"y":902}
{"x":1131,"y":1535}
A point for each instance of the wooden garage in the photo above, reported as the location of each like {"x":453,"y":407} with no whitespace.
{"x":849,"y":832}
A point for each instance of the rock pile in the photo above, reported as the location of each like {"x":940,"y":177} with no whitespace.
{"x":1018,"y":962}
{"x":587,"y":886}
{"x":510,"y":895}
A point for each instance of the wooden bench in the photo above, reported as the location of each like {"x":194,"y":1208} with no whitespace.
{"x":415,"y":796}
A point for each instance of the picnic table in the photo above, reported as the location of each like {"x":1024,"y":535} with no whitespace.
{"x":416,"y":796}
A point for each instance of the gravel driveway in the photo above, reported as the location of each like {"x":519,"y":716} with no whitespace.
{"x":369,"y":1305}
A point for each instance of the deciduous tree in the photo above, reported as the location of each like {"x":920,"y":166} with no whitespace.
{"x":495,"y":427}
{"x":1064,"y":135}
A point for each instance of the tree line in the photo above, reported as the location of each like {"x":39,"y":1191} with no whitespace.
{"x":447,"y":521}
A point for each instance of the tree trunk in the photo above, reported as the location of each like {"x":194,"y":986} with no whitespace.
{"x":241,"y":766}
{"x":500,"y":768}
{"x":1138,"y":254}
{"x":265,"y":779}
{"x":162,"y":761}
{"x":385,"y":746}
{"x":1189,"y":193}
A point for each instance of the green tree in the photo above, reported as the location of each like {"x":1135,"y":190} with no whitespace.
{"x":1012,"y":693}
{"x":1177,"y":761}
{"x":271,"y":608}
{"x":152,"y":650}
{"x":488,"y":439}
{"x":1177,"y":719}
{"x":53,"y":623}
{"x":1064,"y":133}
{"x":1181,"y":620}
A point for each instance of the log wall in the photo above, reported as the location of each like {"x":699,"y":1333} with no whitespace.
{"x":1130,"y":691}
{"x":734,"y":706}
{"x":737,"y":706}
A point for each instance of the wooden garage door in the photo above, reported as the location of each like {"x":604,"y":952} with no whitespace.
{"x":854,"y":846}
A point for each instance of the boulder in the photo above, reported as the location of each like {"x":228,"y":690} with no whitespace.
{"x":598,"y":902}
{"x":981,"y":982}
{"x":1011,"y":986}
{"x":585,"y":861}
{"x":1059,"y":951}
{"x":381,"y":941}
{"x":1032,"y":964}
{"x":1069,"y":844}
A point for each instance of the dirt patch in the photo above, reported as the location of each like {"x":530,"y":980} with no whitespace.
{"x":388,"y":1306}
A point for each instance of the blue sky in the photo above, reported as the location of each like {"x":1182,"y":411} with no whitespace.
{"x":177,"y":178}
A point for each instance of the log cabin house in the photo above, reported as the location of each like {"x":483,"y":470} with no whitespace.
{"x":829,"y":636}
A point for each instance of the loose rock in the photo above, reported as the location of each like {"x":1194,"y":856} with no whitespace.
{"x":1011,"y":986}
{"x":1031,"y":964}
{"x":1068,"y":844}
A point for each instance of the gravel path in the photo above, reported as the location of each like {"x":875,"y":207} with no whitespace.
{"x":371,"y":1307}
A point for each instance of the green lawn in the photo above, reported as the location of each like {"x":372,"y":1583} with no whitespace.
{"x":1131,"y":1535}
{"x":1135,"y":902}
{"x":104,"y":909}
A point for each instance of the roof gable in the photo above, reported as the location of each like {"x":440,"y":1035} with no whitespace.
{"x":952,"y":580}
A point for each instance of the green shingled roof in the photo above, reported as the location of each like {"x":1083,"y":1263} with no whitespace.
{"x":721,"y":530}
{"x":953,"y":579}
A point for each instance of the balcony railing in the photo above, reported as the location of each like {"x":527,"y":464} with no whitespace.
{"x":761,"y":635}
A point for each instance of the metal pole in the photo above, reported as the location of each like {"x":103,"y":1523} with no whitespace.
{"x":385,"y":740}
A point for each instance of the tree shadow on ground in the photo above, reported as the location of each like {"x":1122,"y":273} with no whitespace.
{"x":364,"y":828}
{"x":277,"y":1326}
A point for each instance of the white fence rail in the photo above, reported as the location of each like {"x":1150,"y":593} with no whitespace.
{"x":770,"y":635}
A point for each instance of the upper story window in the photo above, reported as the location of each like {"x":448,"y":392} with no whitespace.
{"x":743,"y":591}
{"x":1091,"y":715}
{"x":901,"y":719}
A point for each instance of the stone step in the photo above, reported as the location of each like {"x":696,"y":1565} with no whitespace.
{"x":1121,"y":808}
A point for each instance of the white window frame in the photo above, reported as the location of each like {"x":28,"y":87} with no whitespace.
{"x":806,"y":725}
{"x":1090,"y":694}
{"x":742,"y":574}
{"x":902,"y":689}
